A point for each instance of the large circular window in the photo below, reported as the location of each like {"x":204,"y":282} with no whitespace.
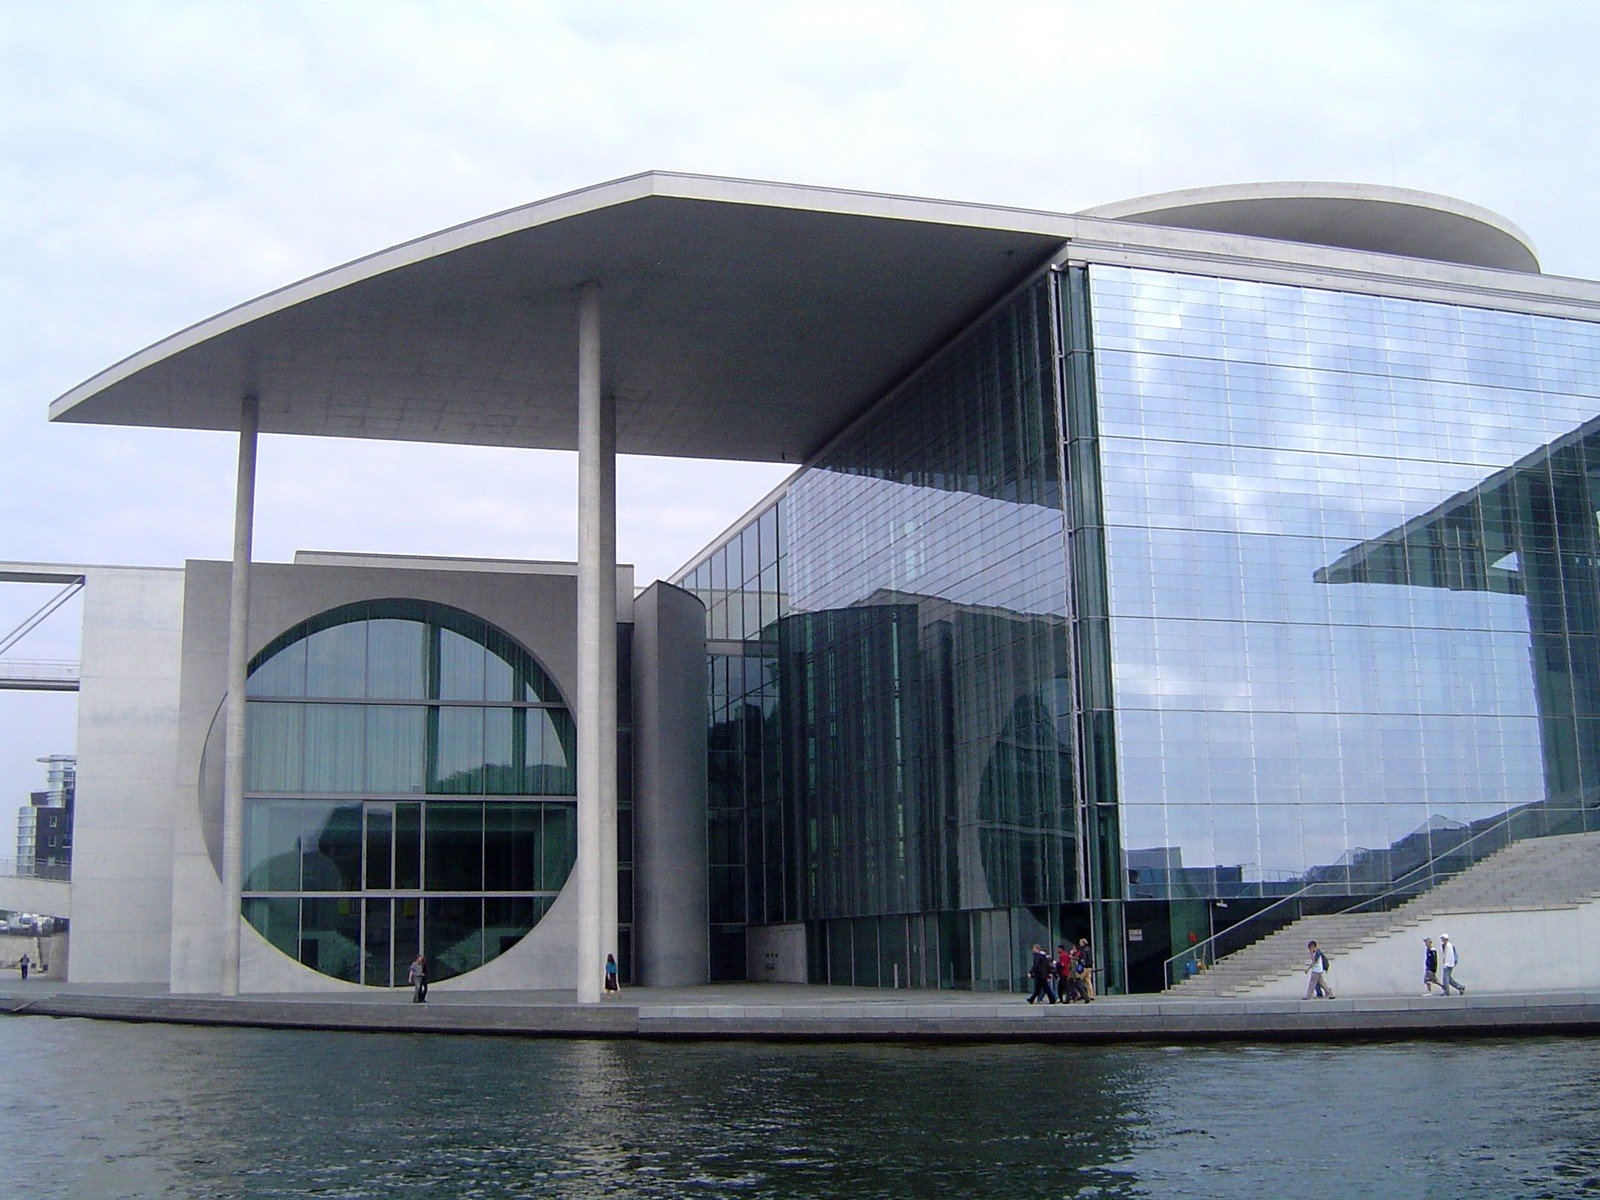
{"x":410,"y":788}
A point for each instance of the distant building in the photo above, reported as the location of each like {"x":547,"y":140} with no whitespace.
{"x":44,"y":826}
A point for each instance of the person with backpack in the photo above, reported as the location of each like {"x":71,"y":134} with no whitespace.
{"x":1448,"y":958}
{"x":1085,"y":965}
{"x":1317,"y":986}
{"x":1430,"y":968}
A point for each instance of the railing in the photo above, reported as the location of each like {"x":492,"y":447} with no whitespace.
{"x":1414,"y":888}
{"x":1285,"y":911}
{"x":1407,"y":886}
{"x":39,"y":674}
{"x":59,"y":872}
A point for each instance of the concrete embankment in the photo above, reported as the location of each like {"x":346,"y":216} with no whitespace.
{"x":792,"y":1013}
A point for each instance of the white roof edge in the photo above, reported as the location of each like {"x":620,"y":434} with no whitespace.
{"x":855,"y":202}
{"x":675,"y":185}
{"x":368,"y":266}
{"x":439,"y":562}
{"x":1112,"y":222}
{"x":1133,"y":209}
{"x":49,"y":572}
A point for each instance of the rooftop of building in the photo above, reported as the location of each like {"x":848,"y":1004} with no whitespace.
{"x":741,"y":320}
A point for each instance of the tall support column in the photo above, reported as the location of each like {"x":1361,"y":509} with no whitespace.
{"x":244,"y":505}
{"x":597,"y":658}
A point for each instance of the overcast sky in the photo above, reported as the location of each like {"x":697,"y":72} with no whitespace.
{"x":162,"y":161}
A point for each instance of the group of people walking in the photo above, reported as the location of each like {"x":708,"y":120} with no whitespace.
{"x":1063,"y":977}
{"x":1439,"y":967}
{"x":1438,"y":970}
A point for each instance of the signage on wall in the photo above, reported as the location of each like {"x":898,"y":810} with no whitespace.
{"x":1136,"y":935}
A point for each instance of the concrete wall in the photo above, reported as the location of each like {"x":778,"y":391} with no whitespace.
{"x":1523,"y":950}
{"x":51,"y":897}
{"x":776,"y":953}
{"x":127,"y":743}
{"x":671,"y":903}
{"x":535,"y":605}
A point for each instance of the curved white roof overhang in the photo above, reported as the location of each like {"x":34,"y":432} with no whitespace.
{"x":739,"y":320}
{"x":1351,"y":216}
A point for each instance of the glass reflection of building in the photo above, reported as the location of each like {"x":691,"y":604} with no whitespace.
{"x":410,"y":784}
{"x":1154,"y":590}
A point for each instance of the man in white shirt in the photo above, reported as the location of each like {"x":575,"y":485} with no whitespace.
{"x":1447,"y":966}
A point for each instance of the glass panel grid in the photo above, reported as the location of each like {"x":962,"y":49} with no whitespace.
{"x":1351,"y":560}
{"x":354,"y":884}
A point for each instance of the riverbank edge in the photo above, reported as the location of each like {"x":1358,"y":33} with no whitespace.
{"x":822,"y":1015}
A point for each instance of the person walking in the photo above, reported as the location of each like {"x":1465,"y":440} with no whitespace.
{"x":1040,"y":970}
{"x":1086,"y":969}
{"x":1064,"y":973}
{"x":613,"y":988}
{"x":23,"y":964}
{"x":1448,"y":958}
{"x":1430,"y":968}
{"x":417,"y":977}
{"x":1317,"y":986}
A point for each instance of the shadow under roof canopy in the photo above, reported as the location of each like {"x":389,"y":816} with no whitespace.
{"x":739,"y":320}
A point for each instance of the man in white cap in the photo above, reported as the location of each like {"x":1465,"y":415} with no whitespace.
{"x":1447,"y":965}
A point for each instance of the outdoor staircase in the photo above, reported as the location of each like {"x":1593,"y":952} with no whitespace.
{"x":1538,"y":873}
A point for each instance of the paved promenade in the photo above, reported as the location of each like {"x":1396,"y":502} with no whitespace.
{"x":814,"y":1013}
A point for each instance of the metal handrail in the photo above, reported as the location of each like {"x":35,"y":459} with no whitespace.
{"x":56,"y":872}
{"x":1198,"y":952}
{"x":1433,"y":876}
{"x":1205,"y":952}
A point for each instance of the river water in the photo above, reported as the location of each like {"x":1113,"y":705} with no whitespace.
{"x":98,"y":1109}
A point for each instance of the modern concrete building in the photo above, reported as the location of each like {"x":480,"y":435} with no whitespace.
{"x":1141,"y":567}
{"x":409,"y":775}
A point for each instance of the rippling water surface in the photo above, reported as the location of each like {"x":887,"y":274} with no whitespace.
{"x":96,"y":1109}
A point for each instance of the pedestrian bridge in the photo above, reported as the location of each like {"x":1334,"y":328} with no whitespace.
{"x":31,"y":892}
{"x":38,"y":675}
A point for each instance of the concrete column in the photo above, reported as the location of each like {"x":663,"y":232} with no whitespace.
{"x":597,"y":658}
{"x":671,"y":909}
{"x":238,"y":660}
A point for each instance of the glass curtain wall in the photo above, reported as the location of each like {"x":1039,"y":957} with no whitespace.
{"x":1352,"y":575}
{"x":892,"y":696}
{"x":741,"y":584}
{"x":410,"y":788}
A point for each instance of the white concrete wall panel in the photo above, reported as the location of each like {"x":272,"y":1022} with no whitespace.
{"x":537,"y":608}
{"x":776,"y":953}
{"x":52,"y":897}
{"x":1515,"y":950}
{"x":127,"y":726}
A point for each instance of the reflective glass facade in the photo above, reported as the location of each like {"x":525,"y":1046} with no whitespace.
{"x":1153,"y":598}
{"x":410,"y":788}
{"x":892,"y":720}
{"x":1350,"y":546}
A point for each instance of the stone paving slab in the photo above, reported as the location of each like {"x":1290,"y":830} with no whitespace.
{"x":796,"y":1013}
